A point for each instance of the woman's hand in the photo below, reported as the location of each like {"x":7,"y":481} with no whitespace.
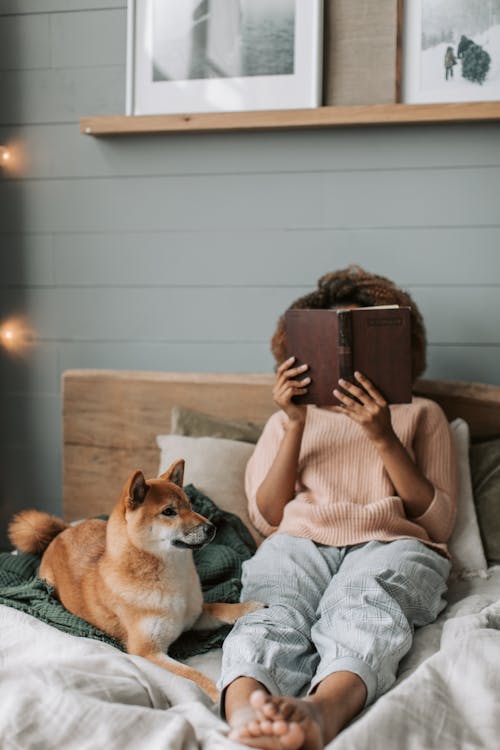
{"x":373,"y":415}
{"x":278,"y":487}
{"x":285,"y":388}
{"x":370,"y":410}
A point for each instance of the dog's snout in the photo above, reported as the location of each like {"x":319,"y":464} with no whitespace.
{"x":197,"y":536}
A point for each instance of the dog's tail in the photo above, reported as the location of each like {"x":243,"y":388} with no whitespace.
{"x":33,"y":531}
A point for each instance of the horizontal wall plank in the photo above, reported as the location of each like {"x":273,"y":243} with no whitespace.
{"x":26,"y":259}
{"x":459,"y":315}
{"x":172,"y":356}
{"x":31,"y":418}
{"x":60,"y":151}
{"x":454,"y":315}
{"x":395,"y":198}
{"x":89,"y":39}
{"x":155,"y":203}
{"x":478,"y":364}
{"x":20,"y":7}
{"x":55,"y":96}
{"x":416,"y":256}
{"x":152,"y":315}
{"x":35,"y":370}
{"x":392,"y":198}
{"x":24,"y":42}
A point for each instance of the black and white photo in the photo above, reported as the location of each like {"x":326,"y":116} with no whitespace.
{"x":223,"y":55}
{"x":222,"y":38}
{"x":451,"y":50}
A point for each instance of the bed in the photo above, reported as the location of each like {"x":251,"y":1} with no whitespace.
{"x":62,"y":691}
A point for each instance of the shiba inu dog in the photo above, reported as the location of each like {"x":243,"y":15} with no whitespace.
{"x":133,"y":576}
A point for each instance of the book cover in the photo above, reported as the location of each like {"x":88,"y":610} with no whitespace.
{"x":375,"y":341}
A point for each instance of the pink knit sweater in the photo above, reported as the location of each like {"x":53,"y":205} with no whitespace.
{"x":343,"y":494}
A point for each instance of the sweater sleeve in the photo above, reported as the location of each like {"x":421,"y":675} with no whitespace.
{"x":258,"y":466}
{"x":435,"y":457}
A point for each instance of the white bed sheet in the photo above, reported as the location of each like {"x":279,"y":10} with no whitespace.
{"x":59,"y":691}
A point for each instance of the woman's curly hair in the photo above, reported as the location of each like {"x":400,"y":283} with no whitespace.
{"x":355,"y":286}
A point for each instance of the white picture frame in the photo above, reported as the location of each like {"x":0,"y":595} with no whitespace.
{"x":178,"y":71}
{"x":430,"y":28}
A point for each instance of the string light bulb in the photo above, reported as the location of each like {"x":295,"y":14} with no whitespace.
{"x":5,"y":155}
{"x":15,"y":336}
{"x":13,"y":159}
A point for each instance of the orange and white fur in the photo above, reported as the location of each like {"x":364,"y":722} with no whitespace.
{"x":133,"y":576}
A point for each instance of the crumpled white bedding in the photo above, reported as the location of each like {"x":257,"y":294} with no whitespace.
{"x":59,"y":691}
{"x":451,"y":701}
{"x":447,"y":695}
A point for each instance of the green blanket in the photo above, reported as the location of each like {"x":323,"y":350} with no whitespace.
{"x":218,"y":564}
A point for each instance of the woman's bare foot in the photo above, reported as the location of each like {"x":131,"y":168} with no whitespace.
{"x":260,"y":720}
{"x":278,"y":723}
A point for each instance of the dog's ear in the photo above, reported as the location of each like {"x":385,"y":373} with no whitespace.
{"x":175,"y":473}
{"x":136,"y":490}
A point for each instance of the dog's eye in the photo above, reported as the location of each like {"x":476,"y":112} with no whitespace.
{"x":169,"y":512}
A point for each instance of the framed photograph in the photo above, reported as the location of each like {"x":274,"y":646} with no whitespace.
{"x":451,"y":50}
{"x":223,"y":55}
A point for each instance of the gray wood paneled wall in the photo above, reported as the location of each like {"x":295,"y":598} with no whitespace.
{"x":179,"y":252}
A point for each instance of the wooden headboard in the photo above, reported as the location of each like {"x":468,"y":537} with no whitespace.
{"x":111,"y":419}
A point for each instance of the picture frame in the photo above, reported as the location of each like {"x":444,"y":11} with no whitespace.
{"x":223,"y":55}
{"x":451,"y":51}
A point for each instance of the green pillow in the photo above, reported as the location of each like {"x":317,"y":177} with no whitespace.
{"x":196,"y":424}
{"x":485,"y":475}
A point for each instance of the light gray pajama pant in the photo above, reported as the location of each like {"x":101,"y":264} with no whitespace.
{"x":332,"y":609}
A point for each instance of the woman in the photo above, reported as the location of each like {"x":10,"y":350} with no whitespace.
{"x":357,"y":503}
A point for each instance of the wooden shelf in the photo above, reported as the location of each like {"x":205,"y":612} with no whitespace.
{"x":323,"y":117}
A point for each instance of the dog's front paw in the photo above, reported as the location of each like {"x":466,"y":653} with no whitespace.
{"x":214,"y":614}
{"x":247,"y":607}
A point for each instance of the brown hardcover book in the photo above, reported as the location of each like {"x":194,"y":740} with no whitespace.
{"x":375,"y":341}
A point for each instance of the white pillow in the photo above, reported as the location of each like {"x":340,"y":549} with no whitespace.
{"x":216,"y":466}
{"x":465,"y":545}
